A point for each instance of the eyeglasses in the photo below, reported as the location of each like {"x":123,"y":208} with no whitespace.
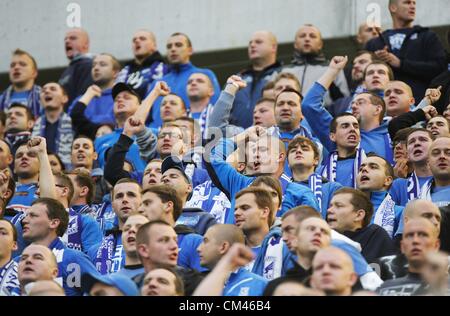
{"x":170,"y":134}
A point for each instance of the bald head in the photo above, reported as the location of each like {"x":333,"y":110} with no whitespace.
{"x":262,"y":49}
{"x":333,"y":272}
{"x":423,"y":209}
{"x":76,"y":42}
{"x":46,"y":288}
{"x":308,"y":40}
{"x":227,"y":233}
{"x":37,"y":263}
{"x":420,"y":225}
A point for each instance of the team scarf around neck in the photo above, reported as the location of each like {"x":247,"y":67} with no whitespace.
{"x":413,"y":187}
{"x":64,"y":136}
{"x":316,"y":185}
{"x":330,"y":170}
{"x":9,"y":283}
{"x":33,"y":100}
{"x":72,"y":237}
{"x":385,"y":215}
{"x":203,"y":121}
{"x":104,"y":260}
{"x":273,"y":259}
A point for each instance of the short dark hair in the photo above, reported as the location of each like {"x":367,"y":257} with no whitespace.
{"x":12,"y":188}
{"x":28,"y":112}
{"x":301,"y":213}
{"x":271,"y":182}
{"x":166,"y":193}
{"x":181,"y":99}
{"x":84,"y":179}
{"x":287,"y":90}
{"x":19,"y":51}
{"x":414,"y":130}
{"x":268,"y":86}
{"x":377,"y":100}
{"x":13,"y":228}
{"x":124,"y":180}
{"x":262,"y":198}
{"x":262,"y":100}
{"x":360,"y":201}
{"x":389,"y":170}
{"x":55,"y":210}
{"x":363,"y":52}
{"x":188,"y":40}
{"x":402,"y":135}
{"x":333,"y":124}
{"x":142,"y":237}
{"x":289,"y":76}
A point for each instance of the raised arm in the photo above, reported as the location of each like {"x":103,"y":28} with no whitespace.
{"x":47,"y":186}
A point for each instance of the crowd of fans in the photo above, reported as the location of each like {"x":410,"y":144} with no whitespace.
{"x":321,"y":177}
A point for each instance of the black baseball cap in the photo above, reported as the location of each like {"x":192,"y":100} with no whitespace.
{"x":119,"y":87}
{"x":173,"y":162}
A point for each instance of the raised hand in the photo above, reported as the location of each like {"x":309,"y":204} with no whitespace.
{"x":433,"y":95}
{"x":338,"y":62}
{"x":430,"y":112}
{"x":238,"y":256}
{"x":133,"y":126}
{"x":161,"y":88}
{"x":37,"y":145}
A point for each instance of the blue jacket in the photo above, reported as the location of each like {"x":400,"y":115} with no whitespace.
{"x":102,"y":213}
{"x":244,"y":283}
{"x":105,"y":142}
{"x":187,"y":245}
{"x":231,"y":182}
{"x":209,"y":198}
{"x":244,"y":103}
{"x":399,"y":190}
{"x":177,"y":79}
{"x":265,"y":268}
{"x":328,"y":190}
{"x":99,"y":110}
{"x":83,"y":232}
{"x":9,"y":281}
{"x":72,"y":265}
{"x":376,"y":140}
{"x":77,"y":78}
{"x":23,"y":197}
{"x":197,"y":219}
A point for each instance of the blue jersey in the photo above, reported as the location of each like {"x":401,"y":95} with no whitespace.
{"x":209,"y":198}
{"x":400,"y":188}
{"x":100,"y":110}
{"x":188,"y":256}
{"x":102,"y":213}
{"x":376,"y":140}
{"x":386,"y":213}
{"x":177,"y":79}
{"x":131,"y":271}
{"x":104,"y":143}
{"x":244,"y":283}
{"x":9,"y":282}
{"x":82,"y":233}
{"x":23,"y":197}
{"x":231,"y":182}
{"x":72,"y":265}
{"x":441,"y":196}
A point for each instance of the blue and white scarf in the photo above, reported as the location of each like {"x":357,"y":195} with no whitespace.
{"x":72,"y":237}
{"x":64,"y":136}
{"x":203,"y":121}
{"x":34,"y":103}
{"x":385,"y":215}
{"x":426,"y":192}
{"x":413,"y":187}
{"x":316,"y":185}
{"x":273,"y":259}
{"x":330,"y":170}
{"x":9,"y":283}
{"x":109,"y":255}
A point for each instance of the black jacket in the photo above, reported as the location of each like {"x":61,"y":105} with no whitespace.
{"x":405,"y":120}
{"x":77,"y":77}
{"x":375,"y":242}
{"x":422,"y":58}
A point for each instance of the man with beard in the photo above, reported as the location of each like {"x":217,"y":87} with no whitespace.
{"x":98,"y":98}
{"x":147,"y":65}
{"x":55,"y":125}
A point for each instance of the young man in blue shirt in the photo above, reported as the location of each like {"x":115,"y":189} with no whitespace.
{"x":418,"y":143}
